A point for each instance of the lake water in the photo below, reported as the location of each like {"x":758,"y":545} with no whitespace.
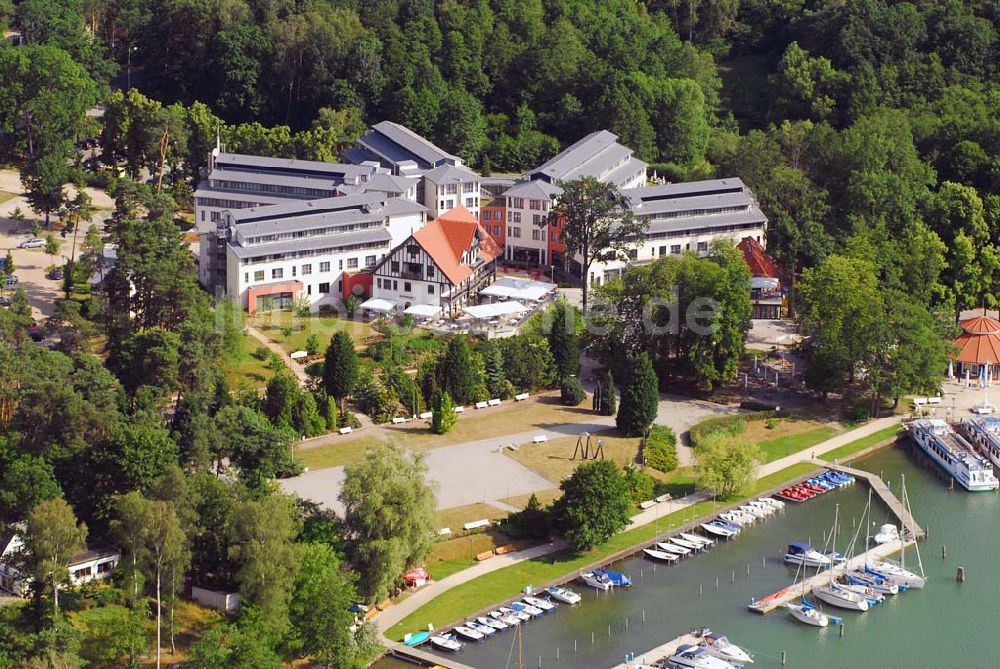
{"x":947,"y":624}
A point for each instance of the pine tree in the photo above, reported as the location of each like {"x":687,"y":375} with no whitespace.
{"x":607,"y":402}
{"x":457,"y":372}
{"x":494,"y":375}
{"x":564,"y":342}
{"x":640,"y":396}
{"x":444,"y":412}
{"x":340,"y":368}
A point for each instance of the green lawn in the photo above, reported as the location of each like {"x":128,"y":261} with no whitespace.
{"x":244,"y":370}
{"x":4,"y":196}
{"x":860,"y":444}
{"x":793,"y":443}
{"x":272,"y":323}
{"x":465,"y":599}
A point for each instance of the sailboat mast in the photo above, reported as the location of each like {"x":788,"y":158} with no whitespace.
{"x":902,"y":521}
{"x":520,"y":660}
{"x":836,"y":521}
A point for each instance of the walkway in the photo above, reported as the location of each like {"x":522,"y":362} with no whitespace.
{"x":295,"y":368}
{"x":882,"y":490}
{"x":397,"y":612}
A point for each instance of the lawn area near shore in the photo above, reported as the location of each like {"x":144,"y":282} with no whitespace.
{"x":487,"y":590}
{"x":780,"y":447}
{"x":857,"y":445}
{"x":474,"y":425}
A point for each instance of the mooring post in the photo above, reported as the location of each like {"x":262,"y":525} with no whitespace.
{"x":699,"y":591}
{"x":644,"y":616}
{"x":734,"y":576}
{"x":944,"y":551}
{"x":783,"y":658}
{"x":591,"y":638}
{"x":574,"y":646}
{"x":960,"y":575}
{"x":716,"y":582}
{"x":842,"y":626}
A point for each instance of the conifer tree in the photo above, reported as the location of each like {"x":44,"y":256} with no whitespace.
{"x":640,"y":396}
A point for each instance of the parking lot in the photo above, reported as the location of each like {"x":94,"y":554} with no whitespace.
{"x":30,"y":264}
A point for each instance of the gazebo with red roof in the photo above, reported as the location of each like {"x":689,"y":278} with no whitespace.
{"x":978,"y":345}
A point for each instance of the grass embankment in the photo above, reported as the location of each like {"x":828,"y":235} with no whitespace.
{"x":860,"y":444}
{"x":486,"y":590}
{"x":473,"y":425}
{"x":779,"y":447}
{"x":272,"y":324}
{"x":243,"y":369}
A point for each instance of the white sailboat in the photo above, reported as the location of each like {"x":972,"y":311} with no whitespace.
{"x":806,"y":613}
{"x":896,"y":572}
{"x":836,"y":594}
{"x":694,"y":538}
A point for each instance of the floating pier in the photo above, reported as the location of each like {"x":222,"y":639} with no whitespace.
{"x":425,"y":659}
{"x":666,"y":650}
{"x":911,"y":531}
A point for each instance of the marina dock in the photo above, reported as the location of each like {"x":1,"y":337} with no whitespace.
{"x":658,"y":653}
{"x":425,"y":659}
{"x":878,"y":486}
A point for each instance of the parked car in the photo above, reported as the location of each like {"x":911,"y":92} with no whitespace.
{"x":10,"y":280}
{"x":33,"y":243}
{"x":55,"y":274}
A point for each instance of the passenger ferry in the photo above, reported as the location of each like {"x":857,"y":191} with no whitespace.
{"x":936,"y":438}
{"x":984,"y":433}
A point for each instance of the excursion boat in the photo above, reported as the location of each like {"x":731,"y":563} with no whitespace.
{"x":954,"y":454}
{"x":495,"y":623}
{"x":718,"y":530}
{"x":807,"y":556}
{"x":469,"y":633}
{"x":485,"y":630}
{"x":697,"y":657}
{"x":539,"y":603}
{"x":662,"y":556}
{"x":446,"y":642}
{"x":416,"y":638}
{"x":722,"y":648}
{"x":984,"y":433}
{"x":596,"y":579}
{"x":806,"y":613}
{"x":694,"y":538}
{"x":564,"y":595}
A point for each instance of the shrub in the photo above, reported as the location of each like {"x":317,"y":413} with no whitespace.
{"x":444,"y":412}
{"x":262,"y":353}
{"x":571,"y":391}
{"x":312,"y":344}
{"x":504,"y":390}
{"x":771,"y":423}
{"x":348,"y":419}
{"x":606,"y":403}
{"x":640,"y":484}
{"x":660,"y":450}
{"x":351,"y":305}
{"x":532,"y":522}
{"x":286,"y":331}
{"x":731,"y":425}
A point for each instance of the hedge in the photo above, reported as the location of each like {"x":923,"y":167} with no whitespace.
{"x":660,"y":450}
{"x":731,"y":423}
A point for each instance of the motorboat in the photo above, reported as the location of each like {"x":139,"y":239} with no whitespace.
{"x":596,"y":579}
{"x":671,"y":547}
{"x":886,"y":533}
{"x":469,"y":633}
{"x":531,"y":610}
{"x":836,"y":594}
{"x":495,"y":623}
{"x":722,"y":648}
{"x":806,"y":613}
{"x":718,"y":530}
{"x":416,"y":638}
{"x":696,"y":538}
{"x":662,"y":556}
{"x":485,"y":630}
{"x":807,"y":556}
{"x":876,"y":583}
{"x":509,"y":619}
{"x":540,"y":603}
{"x":696,"y":657}
{"x":564,"y":595}
{"x":684,"y":543}
{"x":617,"y":578}
{"x":446,"y":642}
{"x":521,"y":615}
{"x":891,"y":571}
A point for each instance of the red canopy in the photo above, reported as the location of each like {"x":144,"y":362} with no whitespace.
{"x":416,"y":574}
{"x":979,"y":342}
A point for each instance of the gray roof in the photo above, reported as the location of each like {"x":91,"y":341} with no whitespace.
{"x":397,"y":206}
{"x":266,"y":199}
{"x":390,"y":183}
{"x":700,"y":203}
{"x":398,"y":143}
{"x":306,"y":223}
{"x":291,"y":181}
{"x":315,"y":168}
{"x":451,"y":174}
{"x":688,"y":189}
{"x":307,"y":207}
{"x":592,"y":156}
{"x":324,"y":242}
{"x":539,"y":190}
{"x":666,"y":225}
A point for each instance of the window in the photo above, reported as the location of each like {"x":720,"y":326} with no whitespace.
{"x":449,"y":204}
{"x":702,"y":246}
{"x":369,"y":261}
{"x":498,"y":230}
{"x":514,"y":232}
{"x":340,"y":286}
{"x":352,"y":263}
{"x":202,"y":215}
{"x":430,"y":271}
{"x":378,"y":283}
{"x":554,"y":236}
{"x":536,"y":234}
{"x":663,"y":250}
{"x":395,"y":285}
{"x":517,"y":202}
{"x":105,"y":567}
{"x":278,"y":273}
{"x":309,"y":289}
{"x":394,"y":265}
{"x":324,"y":288}
{"x":258,"y":275}
{"x":470,"y":202}
{"x":513,"y":217}
{"x":324,"y":267}
{"x":307,"y":269}
{"x":246,"y":277}
{"x":451,"y":189}
{"x":407,"y":287}
{"x":675,"y":249}
{"x":486,"y":214}
{"x":430,"y":289}
{"x":82,"y":573}
{"x":537,"y":219}
{"x":469,"y":187}
{"x":294,"y":270}
{"x":537,"y":204}
{"x":441,"y":205}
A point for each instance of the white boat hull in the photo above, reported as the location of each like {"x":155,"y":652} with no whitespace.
{"x":902,"y":577}
{"x":564,"y":595}
{"x":807,"y":615}
{"x":694,"y":538}
{"x":717,"y":531}
{"x":662,"y":556}
{"x":844,"y":599}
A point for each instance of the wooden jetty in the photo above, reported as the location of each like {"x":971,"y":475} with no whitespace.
{"x":666,"y":650}
{"x":882,"y":490}
{"x":911,"y":531}
{"x":425,"y":659}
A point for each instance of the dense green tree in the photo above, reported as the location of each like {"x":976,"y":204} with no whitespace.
{"x":528,"y":363}
{"x":340,"y":368}
{"x":639,"y":398}
{"x":389,"y":517}
{"x":443,"y":408}
{"x":564,"y":341}
{"x":26,"y":481}
{"x":320,"y":607}
{"x":571,"y":391}
{"x":258,"y":449}
{"x":726,"y":466}
{"x":606,"y":397}
{"x":51,"y":537}
{"x":458,"y":371}
{"x":594,"y":506}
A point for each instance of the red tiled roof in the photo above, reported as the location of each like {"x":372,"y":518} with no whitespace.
{"x":448,"y":236}
{"x":761,"y":264}
{"x":980,"y":341}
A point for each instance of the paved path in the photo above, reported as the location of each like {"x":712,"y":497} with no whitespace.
{"x":397,"y":612}
{"x":296,"y":369}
